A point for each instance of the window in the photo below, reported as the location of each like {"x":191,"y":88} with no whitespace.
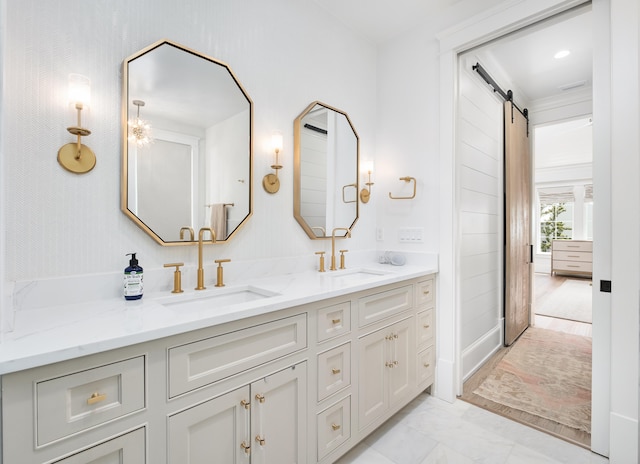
{"x":556,"y":222}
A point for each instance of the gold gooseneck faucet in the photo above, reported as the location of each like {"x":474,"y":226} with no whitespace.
{"x":200,"y":268}
{"x":333,"y":245}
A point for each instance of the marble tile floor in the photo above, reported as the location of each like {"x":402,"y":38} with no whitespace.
{"x":433,"y":431}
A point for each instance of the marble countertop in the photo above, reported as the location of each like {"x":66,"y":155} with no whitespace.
{"x":56,"y":333}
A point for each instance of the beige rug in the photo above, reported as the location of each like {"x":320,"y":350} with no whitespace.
{"x":547,"y":374}
{"x":572,"y":300}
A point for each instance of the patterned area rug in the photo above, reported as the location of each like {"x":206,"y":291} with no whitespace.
{"x":571,"y":301}
{"x":547,"y":374}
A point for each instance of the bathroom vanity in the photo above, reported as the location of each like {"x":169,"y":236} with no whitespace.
{"x":290,"y":369}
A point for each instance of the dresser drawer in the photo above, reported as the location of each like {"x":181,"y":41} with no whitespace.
{"x":426,"y":367}
{"x":374,"y":308}
{"x":574,"y":266}
{"x":425,"y":327}
{"x":334,"y":427}
{"x":424,"y":292}
{"x":206,"y":361}
{"x":76,"y":402}
{"x":572,"y":245}
{"x":334,"y":321}
{"x":581,"y":256}
{"x":334,"y":370}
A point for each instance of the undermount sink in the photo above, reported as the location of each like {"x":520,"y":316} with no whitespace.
{"x":216,"y":298}
{"x":352,"y":276}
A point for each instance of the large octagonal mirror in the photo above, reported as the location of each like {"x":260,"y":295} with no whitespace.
{"x":326,"y":149}
{"x":187,"y":145}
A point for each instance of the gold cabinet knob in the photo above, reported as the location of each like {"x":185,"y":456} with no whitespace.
{"x":96,"y":398}
{"x":335,"y":426}
{"x":426,"y":365}
{"x":336,"y":321}
{"x":426,"y":326}
{"x":245,"y":447}
{"x":260,"y":397}
{"x":335,"y":371}
{"x":260,"y":440}
{"x":245,"y":404}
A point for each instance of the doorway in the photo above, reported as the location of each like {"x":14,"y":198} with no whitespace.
{"x":543,"y":109}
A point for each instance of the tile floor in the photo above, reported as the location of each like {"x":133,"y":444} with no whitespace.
{"x":432,"y":431}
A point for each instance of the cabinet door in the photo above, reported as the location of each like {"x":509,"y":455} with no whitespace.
{"x":125,"y":449}
{"x":214,"y":431}
{"x":402,"y":374}
{"x":373,"y":367}
{"x":279,"y":417}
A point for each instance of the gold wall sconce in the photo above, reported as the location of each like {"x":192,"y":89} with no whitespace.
{"x":406,"y":179}
{"x":270,"y":182}
{"x":77,"y":157}
{"x":365,"y":193}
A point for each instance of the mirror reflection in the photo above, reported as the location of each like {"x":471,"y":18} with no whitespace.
{"x":187,"y":149}
{"x":326,"y":171}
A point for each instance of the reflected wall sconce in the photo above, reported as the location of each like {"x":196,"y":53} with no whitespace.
{"x":77,"y":157}
{"x":139,"y":129}
{"x":365,"y":193}
{"x":270,"y":182}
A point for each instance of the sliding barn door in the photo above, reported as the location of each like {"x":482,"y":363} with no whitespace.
{"x":517,"y":300}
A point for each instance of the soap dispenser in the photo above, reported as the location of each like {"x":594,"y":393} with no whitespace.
{"x":133,"y":279}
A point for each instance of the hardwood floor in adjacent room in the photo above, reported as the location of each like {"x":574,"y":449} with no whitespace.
{"x":545,"y":285}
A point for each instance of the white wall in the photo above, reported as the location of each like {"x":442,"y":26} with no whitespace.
{"x":286,"y":53}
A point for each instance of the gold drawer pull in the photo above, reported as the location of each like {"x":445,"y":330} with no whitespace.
{"x":426,"y":292}
{"x":426,"y":365}
{"x":426,"y":326}
{"x":389,"y":364}
{"x":245,"y":447}
{"x":260,"y":397}
{"x":335,"y":371}
{"x":96,"y":398}
{"x":260,"y":440}
{"x":246,"y":404}
{"x":335,"y":426}
{"x":336,"y":321}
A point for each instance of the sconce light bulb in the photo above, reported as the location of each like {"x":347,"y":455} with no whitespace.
{"x":79,"y":91}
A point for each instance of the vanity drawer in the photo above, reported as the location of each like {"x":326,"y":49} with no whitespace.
{"x":76,"y":402}
{"x":126,"y":449}
{"x":334,"y":427}
{"x":426,"y":367}
{"x":206,"y":361}
{"x":424,"y":292}
{"x":425,"y":327}
{"x":334,"y":370}
{"x":334,"y":321}
{"x":374,"y":308}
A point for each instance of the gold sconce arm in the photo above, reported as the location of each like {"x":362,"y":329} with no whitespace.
{"x":344,"y":187}
{"x":76,"y":157}
{"x":406,"y":179}
{"x":365,"y":193}
{"x":270,"y":182}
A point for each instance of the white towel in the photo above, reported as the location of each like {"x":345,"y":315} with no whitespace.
{"x":219,"y":220}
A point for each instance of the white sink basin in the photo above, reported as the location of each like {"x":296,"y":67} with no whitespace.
{"x":216,"y":298}
{"x":353,"y":276}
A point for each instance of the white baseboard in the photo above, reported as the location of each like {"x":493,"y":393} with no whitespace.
{"x":481,"y":350}
{"x":445,"y":385}
{"x":623,"y":435}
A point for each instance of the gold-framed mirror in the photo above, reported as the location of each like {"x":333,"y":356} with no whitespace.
{"x":326,"y":153}
{"x":187,"y":145}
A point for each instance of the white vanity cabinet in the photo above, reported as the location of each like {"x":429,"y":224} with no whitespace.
{"x":301,"y":384}
{"x":260,"y":423}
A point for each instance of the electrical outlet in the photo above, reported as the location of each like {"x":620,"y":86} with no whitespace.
{"x":379,"y":234}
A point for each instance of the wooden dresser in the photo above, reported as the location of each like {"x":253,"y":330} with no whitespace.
{"x":572,"y":257}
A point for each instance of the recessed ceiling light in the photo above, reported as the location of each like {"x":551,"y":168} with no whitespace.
{"x":561,"y":54}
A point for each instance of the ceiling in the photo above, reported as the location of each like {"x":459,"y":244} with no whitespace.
{"x":525,"y":56}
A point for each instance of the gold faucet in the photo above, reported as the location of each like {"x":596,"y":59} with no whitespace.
{"x":200,"y":268}
{"x":333,"y":245}
{"x":186,"y":229}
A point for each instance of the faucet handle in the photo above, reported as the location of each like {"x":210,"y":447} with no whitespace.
{"x":342,"y":252}
{"x":321,"y":267}
{"x":220,"y":280}
{"x":177,"y":277}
